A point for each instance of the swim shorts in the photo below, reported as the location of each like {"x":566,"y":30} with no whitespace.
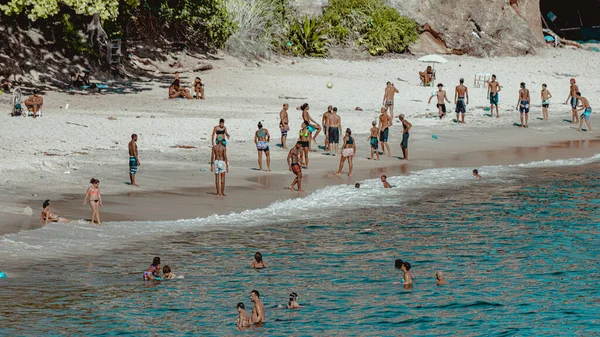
{"x":132,"y":165}
{"x":334,"y":135}
{"x":443,"y":106}
{"x":303,"y":143}
{"x":586,"y":114}
{"x":404,"y":143}
{"x":220,"y":167}
{"x":374,"y":143}
{"x":383,"y":135}
{"x":524,"y":107}
{"x":284,"y":131}
{"x":389,"y":103}
{"x":348,"y":152}
{"x":494,"y":98}
{"x":262,"y":146}
{"x":461,"y":106}
{"x":574,"y":102}
{"x":545,"y":103}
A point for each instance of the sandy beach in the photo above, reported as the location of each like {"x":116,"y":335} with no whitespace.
{"x":55,"y":156}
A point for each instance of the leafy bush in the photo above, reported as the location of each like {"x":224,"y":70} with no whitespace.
{"x":308,"y":37}
{"x":73,"y":41}
{"x":370,"y":23}
{"x":252,"y":38}
{"x":42,"y":9}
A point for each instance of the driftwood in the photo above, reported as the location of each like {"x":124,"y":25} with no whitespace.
{"x":183,"y":147}
{"x":149,"y":65}
{"x":85,"y":126}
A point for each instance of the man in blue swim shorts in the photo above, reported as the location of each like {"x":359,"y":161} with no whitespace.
{"x":493,"y":90}
{"x":134,"y":162}
{"x":587,"y":112}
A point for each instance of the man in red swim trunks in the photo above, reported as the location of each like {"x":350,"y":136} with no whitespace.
{"x":295,"y":165}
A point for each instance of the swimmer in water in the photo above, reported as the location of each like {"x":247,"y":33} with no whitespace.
{"x":439,"y":276}
{"x":48,"y":216}
{"x":293,"y":302}
{"x":168,"y":274}
{"x":258,"y":312}
{"x":384,"y":181}
{"x":153,"y":272}
{"x":357,"y":185}
{"x":408,"y":280}
{"x":244,"y":319}
{"x":258,"y":262}
{"x":476,"y":174}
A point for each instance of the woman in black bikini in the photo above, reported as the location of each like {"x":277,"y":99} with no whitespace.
{"x":348,"y":151}
{"x":220,"y":131}
{"x":93,"y":192}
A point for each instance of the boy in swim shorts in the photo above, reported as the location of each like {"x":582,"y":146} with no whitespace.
{"x":441,"y":96}
{"x":523,"y":105}
{"x":219,"y":165}
{"x":546,"y":95}
{"x":373,"y":140}
{"x":493,"y":90}
{"x":134,"y":161}
{"x":587,"y":112}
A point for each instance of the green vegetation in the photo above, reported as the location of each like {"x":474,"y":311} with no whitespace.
{"x":307,"y":37}
{"x":73,"y":42}
{"x":370,"y":23}
{"x":42,"y":9}
{"x":254,"y":29}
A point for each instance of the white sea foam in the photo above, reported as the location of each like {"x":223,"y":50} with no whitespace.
{"x":79,"y":238}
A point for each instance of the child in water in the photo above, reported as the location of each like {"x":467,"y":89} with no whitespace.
{"x":153,"y":272}
{"x":258,"y":262}
{"x":476,"y":174}
{"x":408,"y":280}
{"x":168,"y":274}
{"x":293,"y":302}
{"x":384,"y":181}
{"x":439,"y":276}
{"x":244,"y":320}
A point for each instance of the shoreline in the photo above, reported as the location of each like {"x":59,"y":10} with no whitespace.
{"x":261,"y":189}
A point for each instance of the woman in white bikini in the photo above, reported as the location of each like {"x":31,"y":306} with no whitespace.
{"x":93,"y":192}
{"x":48,"y":216}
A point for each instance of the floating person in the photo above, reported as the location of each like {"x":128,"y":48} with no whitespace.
{"x":219,"y":165}
{"x":493,"y":90}
{"x":284,"y":125}
{"x":385,"y":182}
{"x":441,"y":97}
{"x":373,"y":140}
{"x":199,"y":88}
{"x":476,"y":174}
{"x":244,"y":320}
{"x":523,"y":105}
{"x":258,"y":262}
{"x":388,"y":99}
{"x":153,"y":272}
{"x":48,"y":216}
{"x":573,"y":90}
{"x":348,"y":151}
{"x":439,"y":276}
{"x":460,"y":93}
{"x":258,"y":312}
{"x":325,"y":124}
{"x":293,"y":302}
{"x":219,"y":131}
{"x":587,"y":111}
{"x":335,"y":124}
{"x":295,"y":165}
{"x":406,"y":125}
{"x":384,"y":131}
{"x":261,"y":139}
{"x":546,"y":95}
{"x":93,"y":192}
{"x":134,"y":160}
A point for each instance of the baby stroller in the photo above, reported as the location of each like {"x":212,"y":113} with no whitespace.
{"x":17,"y":103}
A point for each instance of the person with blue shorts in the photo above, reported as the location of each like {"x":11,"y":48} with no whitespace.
{"x":587,"y":112}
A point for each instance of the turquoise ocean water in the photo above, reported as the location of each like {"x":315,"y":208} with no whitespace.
{"x":520,"y":249}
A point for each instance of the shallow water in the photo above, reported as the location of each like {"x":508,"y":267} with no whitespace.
{"x":521,"y":256}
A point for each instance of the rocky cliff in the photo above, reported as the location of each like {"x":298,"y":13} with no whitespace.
{"x":474,"y":27}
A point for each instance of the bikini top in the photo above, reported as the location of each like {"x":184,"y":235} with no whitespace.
{"x":221,"y":132}
{"x":306,"y":133}
{"x":261,"y":133}
{"x":350,"y":141}
{"x":94,"y":191}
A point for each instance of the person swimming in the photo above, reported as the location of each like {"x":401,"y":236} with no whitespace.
{"x":439,"y":276}
{"x":293,"y":302}
{"x":168,"y":274}
{"x":258,"y":262}
{"x":385,"y":182}
{"x":476,"y":174}
{"x":357,"y":185}
{"x":153,"y":272}
{"x":408,"y":280}
{"x":244,"y":319}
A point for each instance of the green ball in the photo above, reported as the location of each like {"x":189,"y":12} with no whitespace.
{"x":329,"y":85}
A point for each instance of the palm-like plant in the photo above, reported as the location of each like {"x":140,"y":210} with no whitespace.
{"x":308,"y":37}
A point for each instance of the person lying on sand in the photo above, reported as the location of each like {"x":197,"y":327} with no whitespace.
{"x":176,"y":90}
{"x":48,"y":216}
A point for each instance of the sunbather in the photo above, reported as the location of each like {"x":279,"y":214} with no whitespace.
{"x":426,"y":76}
{"x":34,"y":103}
{"x":176,"y":90}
